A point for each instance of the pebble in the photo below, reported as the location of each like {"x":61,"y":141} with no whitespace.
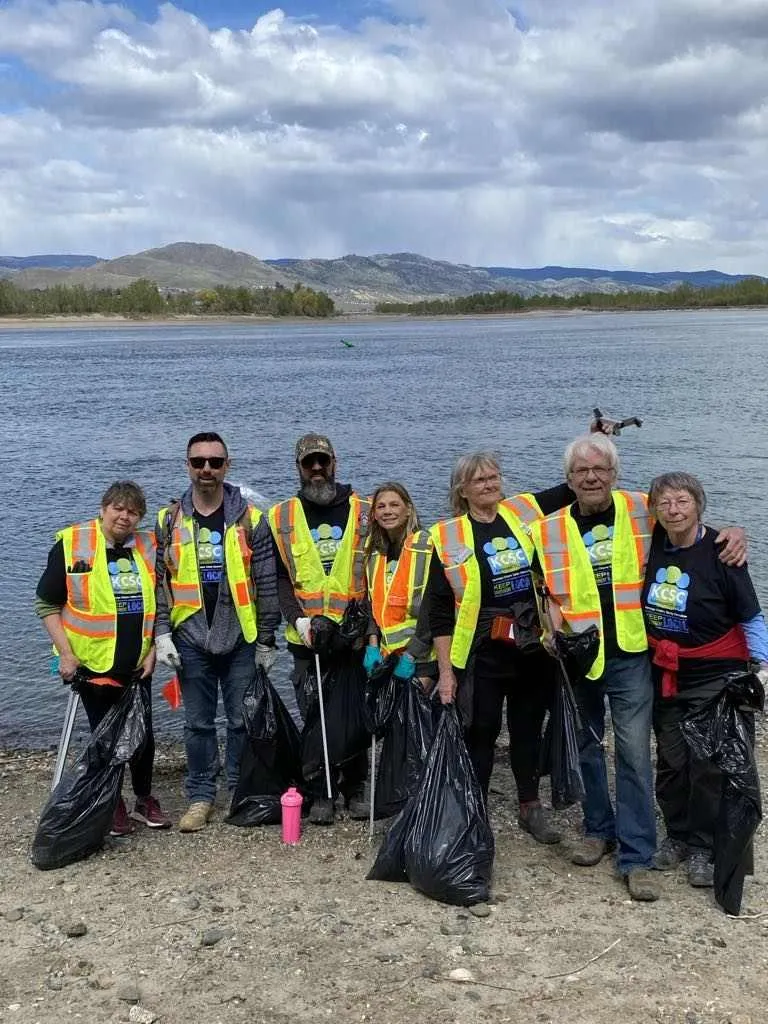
{"x":480,"y":910}
{"x":461,"y":975}
{"x":458,"y":928}
{"x":140,"y":1015}
{"x":192,"y":903}
{"x":720,"y":943}
{"x":15,"y":914}
{"x":128,"y":992}
{"x":54,"y":983}
{"x":430,"y":971}
{"x":76,"y":930}
{"x":211,"y":936}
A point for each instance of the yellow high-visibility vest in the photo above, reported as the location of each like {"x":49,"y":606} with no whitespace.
{"x":570,"y":578}
{"x":90,"y":615}
{"x":396,"y":604}
{"x":316,"y":592}
{"x":184,"y":571}
{"x":455,"y":547}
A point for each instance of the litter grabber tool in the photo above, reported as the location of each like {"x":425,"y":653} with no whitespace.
{"x":373,"y":789}
{"x":70,"y":714}
{"x":608,"y":425}
{"x":322,"y":727}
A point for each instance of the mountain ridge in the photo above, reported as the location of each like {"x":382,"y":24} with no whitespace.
{"x":353,"y":281}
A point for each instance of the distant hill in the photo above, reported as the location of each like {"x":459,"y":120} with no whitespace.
{"x":354,"y":282}
{"x":51,"y":262}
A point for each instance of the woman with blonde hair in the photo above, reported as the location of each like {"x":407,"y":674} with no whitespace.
{"x":398,"y":553}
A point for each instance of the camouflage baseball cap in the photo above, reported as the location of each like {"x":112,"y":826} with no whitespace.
{"x":313,"y":444}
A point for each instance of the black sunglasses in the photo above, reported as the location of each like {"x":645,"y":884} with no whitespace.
{"x":214,"y":461}
{"x":309,"y":460}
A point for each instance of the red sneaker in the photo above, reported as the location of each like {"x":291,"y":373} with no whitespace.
{"x":149,"y":813}
{"x":121,"y":823}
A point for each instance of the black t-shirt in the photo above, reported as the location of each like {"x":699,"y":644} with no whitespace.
{"x":210,"y":556}
{"x":126,"y":586}
{"x":597,"y":533}
{"x":692,"y":598}
{"x":326,"y":524}
{"x":505,"y":572}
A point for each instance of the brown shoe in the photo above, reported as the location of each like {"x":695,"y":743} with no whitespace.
{"x":591,"y":850}
{"x":643,"y":885}
{"x":196,"y":817}
{"x":534,"y":820}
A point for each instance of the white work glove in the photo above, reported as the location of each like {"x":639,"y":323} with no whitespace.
{"x":265,"y":657}
{"x":166,"y":651}
{"x":304,"y":629}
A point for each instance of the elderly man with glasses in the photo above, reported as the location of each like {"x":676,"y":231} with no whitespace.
{"x":593,"y":556}
{"x":217,"y":612}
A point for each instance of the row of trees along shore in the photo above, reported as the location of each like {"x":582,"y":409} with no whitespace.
{"x":144,"y":298}
{"x":752,"y":291}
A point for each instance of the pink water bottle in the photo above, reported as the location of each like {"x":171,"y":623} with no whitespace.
{"x":291,"y":802}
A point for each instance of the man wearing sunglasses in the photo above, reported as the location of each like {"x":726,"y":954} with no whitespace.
{"x":217,"y":612}
{"x":319,"y":538}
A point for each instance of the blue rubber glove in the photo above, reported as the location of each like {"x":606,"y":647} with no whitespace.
{"x":405,"y":668}
{"x":372,"y":658}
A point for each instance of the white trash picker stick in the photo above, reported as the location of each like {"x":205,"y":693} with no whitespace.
{"x":373,"y":787}
{"x":322,"y":727}
{"x":66,"y":736}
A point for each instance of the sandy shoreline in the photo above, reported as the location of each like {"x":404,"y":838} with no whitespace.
{"x":229,"y":926}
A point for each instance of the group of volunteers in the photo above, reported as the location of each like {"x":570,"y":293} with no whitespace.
{"x":470,"y":609}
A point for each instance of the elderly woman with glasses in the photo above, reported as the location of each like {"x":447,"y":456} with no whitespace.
{"x":485,"y":626}
{"x":703,"y":620}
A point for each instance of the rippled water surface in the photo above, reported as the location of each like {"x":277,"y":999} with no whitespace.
{"x":84,"y":406}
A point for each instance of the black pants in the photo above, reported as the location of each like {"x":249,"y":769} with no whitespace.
{"x":526,"y":681}
{"x":687,"y":790}
{"x":97,"y":701}
{"x":348,"y":778}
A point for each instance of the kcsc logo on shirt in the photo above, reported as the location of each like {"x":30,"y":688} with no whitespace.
{"x":124,"y":577}
{"x":599,"y":544}
{"x":670,"y":591}
{"x":505,"y":555}
{"x":327,"y":539}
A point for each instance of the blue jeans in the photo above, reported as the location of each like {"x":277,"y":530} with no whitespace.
{"x":200,"y":676}
{"x":627,"y":684}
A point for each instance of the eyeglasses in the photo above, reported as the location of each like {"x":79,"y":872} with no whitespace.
{"x":214,"y":461}
{"x":681,"y":503}
{"x":316,"y":457}
{"x":480,"y":481}
{"x":603,"y":472}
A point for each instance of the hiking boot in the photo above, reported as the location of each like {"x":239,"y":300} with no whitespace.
{"x":321,"y":811}
{"x":701,"y":870}
{"x":671,"y":853}
{"x":149,"y":813}
{"x":643,"y":885}
{"x":591,"y":850}
{"x":358,"y":808}
{"x":196,"y":817}
{"x":534,"y":820}
{"x":121,"y":823}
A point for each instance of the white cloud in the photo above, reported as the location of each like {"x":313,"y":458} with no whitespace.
{"x":490,"y":132}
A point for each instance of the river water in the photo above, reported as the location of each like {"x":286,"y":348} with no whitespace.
{"x":87,"y":405}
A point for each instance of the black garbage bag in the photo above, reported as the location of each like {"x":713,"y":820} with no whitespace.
{"x":381,"y":696}
{"x":560,"y":748}
{"x":330,"y":638}
{"x":720,"y":733}
{"x":578,"y":651}
{"x":405,"y":748}
{"x":271,"y":759}
{"x":449,"y":845}
{"x":78,"y":814}
{"x":343,"y":701}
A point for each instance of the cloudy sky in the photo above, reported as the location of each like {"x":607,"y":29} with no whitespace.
{"x":579,"y":132}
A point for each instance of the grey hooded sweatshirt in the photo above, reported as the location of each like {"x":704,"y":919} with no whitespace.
{"x":224,"y":633}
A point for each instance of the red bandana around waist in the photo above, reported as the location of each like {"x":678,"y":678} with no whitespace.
{"x":667,"y":654}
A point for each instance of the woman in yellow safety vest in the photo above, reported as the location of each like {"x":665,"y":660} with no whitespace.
{"x":484,"y":622}
{"x":96,"y":599}
{"x":398,"y":554}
